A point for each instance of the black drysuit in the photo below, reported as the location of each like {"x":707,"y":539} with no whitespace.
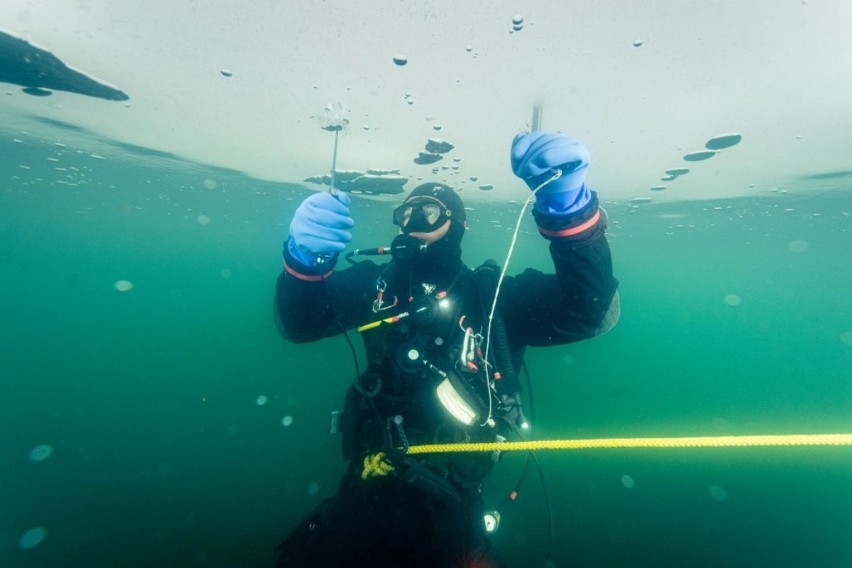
{"x":428,"y":511}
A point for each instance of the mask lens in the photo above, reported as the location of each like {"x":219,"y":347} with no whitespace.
{"x":418,"y":216}
{"x":431,"y":212}
{"x":402,"y":215}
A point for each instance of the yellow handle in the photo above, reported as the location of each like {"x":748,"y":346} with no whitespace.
{"x":367,"y":326}
{"x":392,"y":319}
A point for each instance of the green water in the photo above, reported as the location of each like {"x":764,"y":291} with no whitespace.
{"x":163,"y":456}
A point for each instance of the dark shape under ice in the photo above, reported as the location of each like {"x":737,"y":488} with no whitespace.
{"x":438,"y":146}
{"x":374,"y":182}
{"x":427,"y":158}
{"x":37,"y":70}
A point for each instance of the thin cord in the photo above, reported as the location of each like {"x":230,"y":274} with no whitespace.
{"x":550,"y":527}
{"x":556,"y":174}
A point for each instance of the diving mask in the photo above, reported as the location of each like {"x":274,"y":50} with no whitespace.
{"x":421,"y":214}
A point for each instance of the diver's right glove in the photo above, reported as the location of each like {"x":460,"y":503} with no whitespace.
{"x":319,"y":229}
{"x":536,"y":156}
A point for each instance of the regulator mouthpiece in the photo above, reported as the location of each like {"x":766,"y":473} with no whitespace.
{"x":406,"y":248}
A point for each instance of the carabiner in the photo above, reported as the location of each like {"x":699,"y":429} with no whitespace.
{"x":378,"y":303}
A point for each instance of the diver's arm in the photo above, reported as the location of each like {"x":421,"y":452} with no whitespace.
{"x":310,"y":304}
{"x":587,"y":291}
{"x":580,"y":300}
{"x":311,"y":300}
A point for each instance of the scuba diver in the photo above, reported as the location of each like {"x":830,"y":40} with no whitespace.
{"x":444,"y":344}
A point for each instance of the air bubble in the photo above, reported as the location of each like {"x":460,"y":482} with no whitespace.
{"x":313,"y":488}
{"x":718,"y":493}
{"x":723,"y":141}
{"x":261,"y":400}
{"x":202,"y":220}
{"x":40,"y":453}
{"x":797,"y":246}
{"x":677,"y":171}
{"x":732,"y":300}
{"x":400,"y":60}
{"x":209,"y":183}
{"x":627,"y":482}
{"x":699,"y":156}
{"x":123,"y":285}
{"x":32,"y":538}
{"x":287,"y":420}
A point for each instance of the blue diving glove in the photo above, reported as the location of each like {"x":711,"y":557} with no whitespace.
{"x":319,"y":228}
{"x":535,"y":158}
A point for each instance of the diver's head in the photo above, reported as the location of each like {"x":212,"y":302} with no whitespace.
{"x":433,"y":217}
{"x":431,"y":212}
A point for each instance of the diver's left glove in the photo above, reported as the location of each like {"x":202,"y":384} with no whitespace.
{"x":537,"y":156}
{"x":320,"y":227}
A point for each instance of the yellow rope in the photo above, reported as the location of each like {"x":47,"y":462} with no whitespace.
{"x":696,"y":442}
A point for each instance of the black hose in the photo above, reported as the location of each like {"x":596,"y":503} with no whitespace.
{"x":503,"y":354}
